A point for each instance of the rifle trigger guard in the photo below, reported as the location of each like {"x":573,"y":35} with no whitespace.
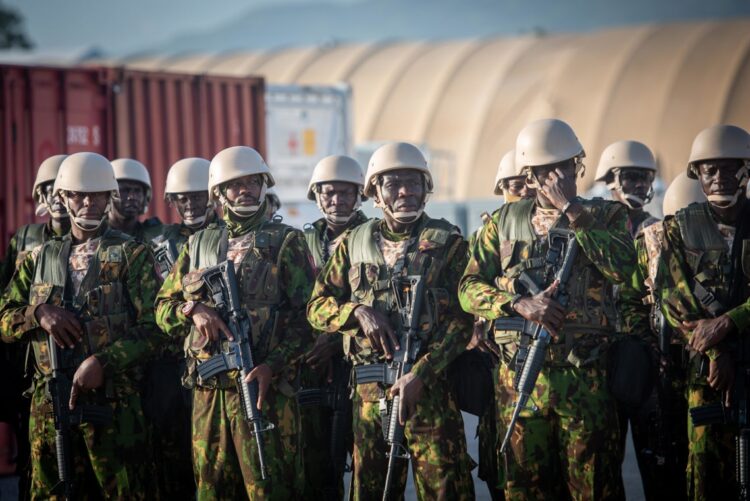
{"x":402,"y":453}
{"x":264,"y":427}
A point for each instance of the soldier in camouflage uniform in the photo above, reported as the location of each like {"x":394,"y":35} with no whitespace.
{"x":669,"y":446}
{"x":353,"y":295}
{"x":92,"y":291}
{"x":275,"y":275}
{"x":571,"y":434}
{"x":704,"y":295}
{"x":132,"y":202}
{"x":336,"y":186}
{"x":628,"y":169}
{"x":15,"y":408}
{"x":511,"y":185}
{"x":166,"y":402}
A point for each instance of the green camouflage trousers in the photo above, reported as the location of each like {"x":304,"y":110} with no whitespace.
{"x":488,"y":435}
{"x":710,"y":469}
{"x":434,"y":437}
{"x":110,"y":462}
{"x":566,"y":445}
{"x":225,"y":456}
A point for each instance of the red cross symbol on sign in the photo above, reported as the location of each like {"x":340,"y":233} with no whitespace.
{"x":293,"y":143}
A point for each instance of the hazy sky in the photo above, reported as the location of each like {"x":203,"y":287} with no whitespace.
{"x":122,"y":25}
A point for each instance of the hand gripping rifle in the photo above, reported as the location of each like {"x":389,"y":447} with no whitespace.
{"x":409,"y":294}
{"x":222,"y":285}
{"x":540,"y":337}
{"x":64,"y":362}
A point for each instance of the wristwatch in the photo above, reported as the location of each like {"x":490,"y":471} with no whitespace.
{"x":187,"y":308}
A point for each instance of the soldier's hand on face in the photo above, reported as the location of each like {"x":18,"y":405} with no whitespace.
{"x":721,"y":373}
{"x":559,"y":189}
{"x":264,"y":375}
{"x":325,"y":348}
{"x":377,"y":329}
{"x":542,"y":309}
{"x":708,"y":332}
{"x":88,"y":376}
{"x":209,"y":323}
{"x":59,"y":323}
{"x":410,"y":387}
{"x":479,"y":339}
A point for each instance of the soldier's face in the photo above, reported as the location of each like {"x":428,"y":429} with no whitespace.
{"x":517,"y":187}
{"x":567,"y":183}
{"x":338,"y":198}
{"x":55,"y":204}
{"x":131,"y":201}
{"x":636,"y":182}
{"x":190,"y":205}
{"x":403,"y":190}
{"x":88,"y":205}
{"x":719,"y":177}
{"x":244,"y":191}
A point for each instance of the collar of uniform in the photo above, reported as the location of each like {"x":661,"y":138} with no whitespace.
{"x":321,"y":225}
{"x":397,"y":237}
{"x":238,"y":226}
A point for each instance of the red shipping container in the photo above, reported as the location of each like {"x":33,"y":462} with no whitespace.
{"x":156,"y":118}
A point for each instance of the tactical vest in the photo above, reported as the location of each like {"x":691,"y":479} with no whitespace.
{"x":315,"y":244}
{"x":102,"y":304}
{"x":591,"y":312}
{"x":370,"y":277}
{"x":258,"y":281}
{"x":709,"y":258}
{"x":28,"y":238}
{"x":148,"y":230}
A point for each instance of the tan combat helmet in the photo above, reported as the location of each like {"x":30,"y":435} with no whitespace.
{"x":46,"y":174}
{"x":622,"y":155}
{"x":127,"y":169}
{"x":506,"y":170}
{"x":186,"y":176}
{"x":395,"y":156}
{"x":718,"y":143}
{"x":337,"y":168}
{"x":233,"y":163}
{"x":545,"y":142}
{"x":682,"y":192}
{"x":86,"y":173}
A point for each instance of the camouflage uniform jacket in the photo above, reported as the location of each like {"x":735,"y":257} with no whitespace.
{"x":345,"y":282}
{"x":117,"y":295}
{"x":24,"y":241}
{"x":638,"y":219}
{"x":274,"y":283}
{"x":317,"y":238}
{"x":508,"y":245}
{"x":696,"y":258}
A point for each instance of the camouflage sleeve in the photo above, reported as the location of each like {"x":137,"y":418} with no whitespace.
{"x":169,"y":299}
{"x":143,"y":339}
{"x":17,"y":318}
{"x":296,"y":276}
{"x":8,"y":265}
{"x":476,"y":291}
{"x":455,"y":330}
{"x":329,"y":309}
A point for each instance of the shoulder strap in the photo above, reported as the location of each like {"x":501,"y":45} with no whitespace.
{"x":698,"y":228}
{"x":52,"y":264}
{"x":514,"y":221}
{"x":312,"y":237}
{"x":208,"y":247}
{"x":31,"y":235}
{"x":362,"y":245}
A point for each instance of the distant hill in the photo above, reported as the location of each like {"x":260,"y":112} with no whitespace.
{"x":321,"y":23}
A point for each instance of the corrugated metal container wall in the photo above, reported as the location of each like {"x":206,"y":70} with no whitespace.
{"x":156,"y":118}
{"x":45,"y":111}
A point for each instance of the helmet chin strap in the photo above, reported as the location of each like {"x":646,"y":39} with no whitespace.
{"x":403,"y":217}
{"x":727,"y":201}
{"x":195,"y":221}
{"x":241,"y":210}
{"x":83,"y":223}
{"x":632,"y":201}
{"x":510,"y":198}
{"x":333,"y":218}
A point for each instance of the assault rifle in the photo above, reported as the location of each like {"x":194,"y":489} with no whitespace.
{"x":165,"y":255}
{"x":562,"y":253}
{"x":222,"y":286}
{"x":64,"y":362}
{"x":334,"y":396}
{"x":737,"y":415}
